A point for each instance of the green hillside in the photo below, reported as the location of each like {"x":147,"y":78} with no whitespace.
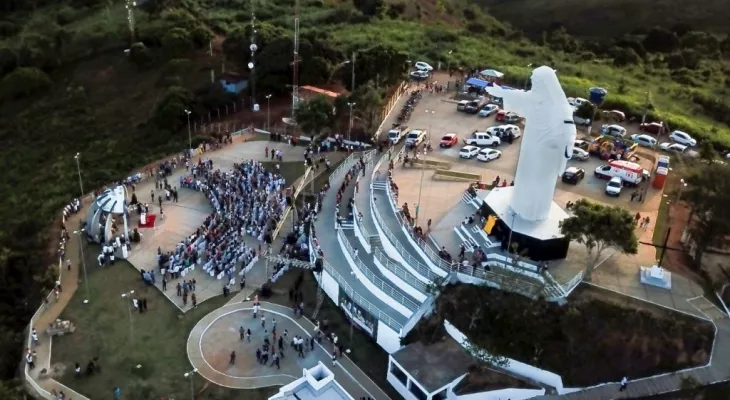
{"x":610,"y":18}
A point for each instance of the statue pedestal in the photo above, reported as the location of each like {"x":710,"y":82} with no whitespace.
{"x":656,"y":276}
{"x":541,"y":239}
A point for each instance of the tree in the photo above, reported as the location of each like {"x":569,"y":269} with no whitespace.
{"x":139,"y":55}
{"x":315,"y":115}
{"x":708,"y":194}
{"x":599,"y":228}
{"x":707,"y":152}
{"x":585,"y":111}
{"x":660,"y":40}
{"x":23,"y":82}
{"x":177,"y":41}
{"x":369,"y":104}
{"x":170,"y":109}
{"x":370,"y":8}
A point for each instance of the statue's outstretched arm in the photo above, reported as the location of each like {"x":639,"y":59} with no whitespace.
{"x":512,"y":99}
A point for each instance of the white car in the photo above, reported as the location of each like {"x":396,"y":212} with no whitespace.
{"x":419,"y":75}
{"x":468,"y":151}
{"x":503,"y":131}
{"x":415,"y":137}
{"x":422,"y":66}
{"x":482,"y":139}
{"x":613,"y":130}
{"x":644,"y":140}
{"x":673,"y":147}
{"x":683,"y":138}
{"x":613,"y":187}
{"x":576,"y":101}
{"x":488,"y":110}
{"x":488,"y":155}
{"x":580,"y":154}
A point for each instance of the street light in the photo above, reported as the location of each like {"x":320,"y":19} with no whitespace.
{"x":78,"y":169}
{"x":349,"y":127}
{"x":448,"y":61}
{"x":125,"y":296}
{"x":190,"y":135}
{"x":420,"y":186}
{"x":83,"y":263}
{"x":511,"y":229}
{"x":336,"y":68}
{"x":191,"y":375}
{"x":527,"y":78}
{"x":268,"y":114}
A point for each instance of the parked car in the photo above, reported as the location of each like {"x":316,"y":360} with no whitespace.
{"x":468,"y":151}
{"x":507,"y":116}
{"x":683,"y":138}
{"x":644,"y":140}
{"x":616,"y":114}
{"x":613,"y":187}
{"x":415,"y":137}
{"x":482,"y":139}
{"x":419,"y":75}
{"x":397,"y":134}
{"x":613,"y":130}
{"x":488,"y":109}
{"x":573,"y":175}
{"x":488,"y":155}
{"x":576,"y":101}
{"x":630,"y":173}
{"x":473,"y":106}
{"x":651,"y":127}
{"x":461,"y":106}
{"x":580,"y":154}
{"x":673,"y":147}
{"x":449,"y":140}
{"x":581,"y":144}
{"x":422,"y":66}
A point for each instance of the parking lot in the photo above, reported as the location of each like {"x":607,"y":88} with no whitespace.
{"x":438,"y":114}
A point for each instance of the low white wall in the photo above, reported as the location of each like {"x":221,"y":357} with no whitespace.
{"x":365,"y":242}
{"x":515,"y":367}
{"x":388,"y":247}
{"x":503,"y":394}
{"x":331,"y":287}
{"x":387,"y":338}
{"x":371,"y":286}
{"x":425,"y":309}
{"x":399,"y":282}
{"x":400,"y":388}
{"x":464,"y":278}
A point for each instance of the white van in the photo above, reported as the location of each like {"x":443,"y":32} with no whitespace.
{"x":415,"y":137}
{"x":630,"y":173}
{"x":397,"y":134}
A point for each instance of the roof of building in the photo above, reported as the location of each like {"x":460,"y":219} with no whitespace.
{"x":436,"y":365}
{"x":317,"y":90}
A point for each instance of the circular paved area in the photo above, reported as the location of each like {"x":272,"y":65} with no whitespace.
{"x":216,"y":335}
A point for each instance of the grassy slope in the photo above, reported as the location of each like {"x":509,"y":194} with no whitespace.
{"x":610,"y":17}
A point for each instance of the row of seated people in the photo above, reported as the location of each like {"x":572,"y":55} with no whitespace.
{"x":248,"y":202}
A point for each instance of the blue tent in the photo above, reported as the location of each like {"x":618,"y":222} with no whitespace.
{"x":480,"y":83}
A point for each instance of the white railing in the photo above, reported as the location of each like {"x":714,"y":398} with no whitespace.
{"x":423,"y":270}
{"x":359,"y":300}
{"x":379,"y":283}
{"x":430,"y":253}
{"x":346,"y":164}
{"x":573,"y":283}
{"x":399,"y":271}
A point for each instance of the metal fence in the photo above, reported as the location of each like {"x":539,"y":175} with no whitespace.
{"x":388,"y":289}
{"x":399,"y":271}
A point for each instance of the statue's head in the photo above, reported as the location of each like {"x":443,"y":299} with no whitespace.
{"x":545,"y":83}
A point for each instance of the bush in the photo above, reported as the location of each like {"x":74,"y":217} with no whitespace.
{"x":265,"y":292}
{"x":66,"y":15}
{"x":476,"y":27}
{"x":177,"y":41}
{"x":8,"y":29}
{"x":139,"y":55}
{"x":395,"y":10}
{"x":24,"y":81}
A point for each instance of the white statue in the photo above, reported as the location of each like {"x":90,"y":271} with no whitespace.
{"x":547,"y":142}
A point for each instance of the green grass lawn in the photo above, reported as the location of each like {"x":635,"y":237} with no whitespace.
{"x":158,"y":346}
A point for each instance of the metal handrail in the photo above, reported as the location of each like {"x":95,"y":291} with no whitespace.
{"x":423,"y":270}
{"x":359,"y":300}
{"x":379,"y":283}
{"x":432,"y":255}
{"x":398,"y":271}
{"x":575,"y":281}
{"x":345,"y":163}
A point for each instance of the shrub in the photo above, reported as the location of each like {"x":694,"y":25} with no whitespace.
{"x":8,"y":29}
{"x":66,"y":15}
{"x":476,"y":27}
{"x":395,"y":10}
{"x":139,"y":55}
{"x":177,"y":41}
{"x":24,"y":81}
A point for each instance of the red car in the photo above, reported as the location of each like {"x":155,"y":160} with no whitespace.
{"x":449,"y":140}
{"x":507,"y":116}
{"x":651,"y":127}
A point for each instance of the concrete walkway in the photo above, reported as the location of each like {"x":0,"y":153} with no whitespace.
{"x":216,"y":335}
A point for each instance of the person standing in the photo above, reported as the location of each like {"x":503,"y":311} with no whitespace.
{"x":164,"y":284}
{"x":624,"y":382}
{"x":248,"y":335}
{"x":263,"y":320}
{"x":29,"y":360}
{"x":241,"y":333}
{"x":232,"y":360}
{"x":194,"y":300}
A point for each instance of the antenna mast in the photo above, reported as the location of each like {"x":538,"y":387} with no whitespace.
{"x":251,"y":65}
{"x":295,"y":78}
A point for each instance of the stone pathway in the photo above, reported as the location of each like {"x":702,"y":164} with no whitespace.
{"x":216,"y":335}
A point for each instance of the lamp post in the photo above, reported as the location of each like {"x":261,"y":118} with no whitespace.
{"x":78,"y":169}
{"x":511,"y":229}
{"x":336,"y":68}
{"x":191,"y":375}
{"x":128,"y":296}
{"x":352,"y":90}
{"x":349,"y":126}
{"x":420,"y":185}
{"x":83,"y":263}
{"x":190,"y":135}
{"x":268,"y":113}
{"x":527,"y":78}
{"x":448,"y":61}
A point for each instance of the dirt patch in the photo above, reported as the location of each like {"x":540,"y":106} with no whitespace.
{"x":598,"y":337}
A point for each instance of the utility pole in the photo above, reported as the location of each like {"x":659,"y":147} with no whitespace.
{"x":349,"y":127}
{"x":130,"y":20}
{"x":646,"y":108}
{"x":78,"y":169}
{"x":253,"y":47}
{"x":295,"y":63}
{"x":354,"y":56}
{"x":83,"y":263}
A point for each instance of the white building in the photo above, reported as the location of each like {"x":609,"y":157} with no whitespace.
{"x":318,"y":383}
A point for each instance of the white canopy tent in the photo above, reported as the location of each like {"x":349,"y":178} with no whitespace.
{"x":491,"y":73}
{"x":109,"y":203}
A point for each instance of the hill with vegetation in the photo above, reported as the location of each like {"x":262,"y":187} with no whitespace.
{"x":73,"y":78}
{"x":610,"y":18}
